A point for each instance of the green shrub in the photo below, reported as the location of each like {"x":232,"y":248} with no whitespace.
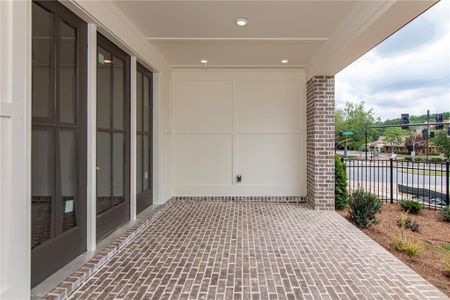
{"x":405,"y":222}
{"x":435,"y":159}
{"x":403,"y":244}
{"x":364,"y":207}
{"x":445,"y":213}
{"x":341,"y":194}
{"x":411,"y":206}
{"x":408,"y":158}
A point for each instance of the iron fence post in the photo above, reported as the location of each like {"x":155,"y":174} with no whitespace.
{"x":391,"y":171}
{"x":447,"y":183}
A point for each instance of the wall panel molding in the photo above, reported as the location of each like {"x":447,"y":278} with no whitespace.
{"x":273,"y":160}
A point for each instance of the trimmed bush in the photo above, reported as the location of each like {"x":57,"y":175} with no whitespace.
{"x":435,"y":159}
{"x":411,"y":206}
{"x":341,"y":194}
{"x":445,"y":213}
{"x":403,"y":244}
{"x":364,"y":207}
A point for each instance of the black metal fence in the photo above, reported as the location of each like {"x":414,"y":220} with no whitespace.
{"x":394,"y":180}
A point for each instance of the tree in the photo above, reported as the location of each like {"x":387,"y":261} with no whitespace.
{"x":393,"y":136}
{"x":356,"y":118}
{"x":442,"y":142}
{"x":340,"y":194}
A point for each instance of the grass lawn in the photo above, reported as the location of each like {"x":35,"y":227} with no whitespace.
{"x":433,"y":233}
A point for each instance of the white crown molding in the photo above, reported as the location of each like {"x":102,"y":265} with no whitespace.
{"x":199,"y":67}
{"x":113,"y":23}
{"x":356,"y":22}
{"x":368,"y":24}
{"x":246,"y":39}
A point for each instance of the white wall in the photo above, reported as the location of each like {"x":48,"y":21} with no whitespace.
{"x":247,"y":122}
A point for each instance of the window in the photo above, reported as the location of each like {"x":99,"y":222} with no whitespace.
{"x":143,"y":137}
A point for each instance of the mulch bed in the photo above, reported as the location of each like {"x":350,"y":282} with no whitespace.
{"x":433,"y":233}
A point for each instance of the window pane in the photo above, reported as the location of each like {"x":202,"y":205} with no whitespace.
{"x":104,"y":89}
{"x":68,"y":74}
{"x":41,"y":186}
{"x":69,"y":160}
{"x":103,"y":172}
{"x":42,"y":86}
{"x":146,"y":163}
{"x":146,"y":103}
{"x":118,"y":168}
{"x":118,"y":93}
{"x":139,"y":101}
{"x":139,"y":163}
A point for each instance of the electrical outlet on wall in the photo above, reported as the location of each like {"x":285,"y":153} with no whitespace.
{"x":239,"y":178}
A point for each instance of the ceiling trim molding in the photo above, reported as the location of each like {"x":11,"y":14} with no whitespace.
{"x":232,"y":39}
{"x":331,"y":57}
{"x":115,"y":25}
{"x":356,"y":22}
{"x":193,"y":67}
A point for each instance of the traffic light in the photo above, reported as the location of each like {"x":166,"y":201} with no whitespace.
{"x":439,"y":119}
{"x":425,"y":133}
{"x":448,"y":131}
{"x":404,"y":121}
{"x":431,"y":134}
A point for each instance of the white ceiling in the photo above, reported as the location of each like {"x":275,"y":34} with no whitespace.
{"x":187,"y":31}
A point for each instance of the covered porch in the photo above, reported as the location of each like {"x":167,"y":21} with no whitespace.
{"x":110,"y":109}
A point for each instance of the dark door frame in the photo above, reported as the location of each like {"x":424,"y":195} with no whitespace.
{"x":118,"y":215}
{"x":145,"y":198}
{"x":63,"y":246}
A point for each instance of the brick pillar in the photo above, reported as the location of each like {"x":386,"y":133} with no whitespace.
{"x":320,"y":140}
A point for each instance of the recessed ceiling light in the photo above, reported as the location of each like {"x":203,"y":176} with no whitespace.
{"x":284,"y":61}
{"x":204,"y":61}
{"x":241,"y":21}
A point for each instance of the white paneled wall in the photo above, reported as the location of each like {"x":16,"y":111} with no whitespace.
{"x":230,"y":122}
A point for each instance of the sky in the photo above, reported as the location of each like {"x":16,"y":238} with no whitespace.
{"x":407,"y":73}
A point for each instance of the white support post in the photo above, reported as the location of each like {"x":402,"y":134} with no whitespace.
{"x":15,"y":149}
{"x":157,"y":179}
{"x":133,"y":118}
{"x":92,"y":137}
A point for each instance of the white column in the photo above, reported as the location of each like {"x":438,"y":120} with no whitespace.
{"x":157,"y":96}
{"x":15,"y":149}
{"x":91,"y":137}
{"x":133,"y":118}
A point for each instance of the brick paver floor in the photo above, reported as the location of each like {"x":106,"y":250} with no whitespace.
{"x":248,"y":250}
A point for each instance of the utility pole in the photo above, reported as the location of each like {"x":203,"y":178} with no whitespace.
{"x":365,"y":133}
{"x":428,"y":134}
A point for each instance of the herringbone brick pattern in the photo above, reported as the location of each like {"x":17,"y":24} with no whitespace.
{"x":250,"y":250}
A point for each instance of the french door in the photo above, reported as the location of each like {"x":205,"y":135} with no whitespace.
{"x":58,"y":146}
{"x":144,"y":126}
{"x":113,"y":203}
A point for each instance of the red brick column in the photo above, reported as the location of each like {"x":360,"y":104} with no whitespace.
{"x":320,"y":139}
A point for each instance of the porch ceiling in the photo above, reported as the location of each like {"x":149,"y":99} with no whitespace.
{"x":306,"y":33}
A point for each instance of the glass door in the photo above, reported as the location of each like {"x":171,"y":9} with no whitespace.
{"x":58,"y":145}
{"x":112,"y":137}
{"x":144,"y":127}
